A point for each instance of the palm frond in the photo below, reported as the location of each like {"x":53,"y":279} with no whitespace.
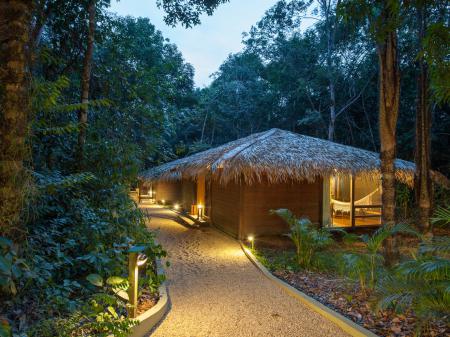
{"x":441,"y":216}
{"x":438,"y":245}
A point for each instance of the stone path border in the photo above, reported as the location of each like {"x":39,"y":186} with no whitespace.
{"x":343,"y":322}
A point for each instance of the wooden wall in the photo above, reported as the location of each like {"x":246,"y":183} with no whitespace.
{"x":188,"y":194}
{"x":225,"y":206}
{"x":170,"y":191}
{"x":302,"y":198}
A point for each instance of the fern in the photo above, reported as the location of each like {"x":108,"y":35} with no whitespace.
{"x":421,"y":284}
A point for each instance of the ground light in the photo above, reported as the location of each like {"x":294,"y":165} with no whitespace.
{"x":136,"y":259}
{"x":199,"y":211}
{"x":252,"y":241}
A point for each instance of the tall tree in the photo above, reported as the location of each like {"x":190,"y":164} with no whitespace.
{"x":382,"y":18}
{"x":85,"y":81}
{"x":389,"y":99}
{"x":423,"y":185}
{"x":15,"y":16}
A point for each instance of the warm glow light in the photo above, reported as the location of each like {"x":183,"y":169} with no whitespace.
{"x":142,"y":259}
{"x":163,"y":201}
{"x":251,"y":238}
{"x":199,"y":206}
{"x":176,"y":207}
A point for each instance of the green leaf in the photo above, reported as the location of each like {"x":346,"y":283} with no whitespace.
{"x":95,"y":279}
{"x":5,"y":265}
{"x":113,"y":312}
{"x":4,"y":242}
{"x":115,"y":280}
{"x":5,"y":329}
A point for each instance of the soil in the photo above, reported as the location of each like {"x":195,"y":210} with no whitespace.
{"x":146,"y":301}
{"x":345,"y":296}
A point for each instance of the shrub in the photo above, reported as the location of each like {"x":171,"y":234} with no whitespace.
{"x":308,"y":239}
{"x":421,"y":284}
{"x":367,"y":267}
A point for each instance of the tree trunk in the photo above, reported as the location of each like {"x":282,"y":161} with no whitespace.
{"x":332,"y":123}
{"x":15,"y":16}
{"x":388,"y":114}
{"x":85,"y":80}
{"x":423,"y":185}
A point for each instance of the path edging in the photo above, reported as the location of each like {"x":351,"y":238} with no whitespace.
{"x":343,"y":322}
{"x":149,"y":319}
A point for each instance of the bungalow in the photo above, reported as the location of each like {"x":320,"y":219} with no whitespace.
{"x":234,"y":186}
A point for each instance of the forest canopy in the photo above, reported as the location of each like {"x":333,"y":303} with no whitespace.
{"x":88,"y":99}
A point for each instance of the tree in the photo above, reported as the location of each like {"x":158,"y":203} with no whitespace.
{"x":15,"y":16}
{"x":85,"y":79}
{"x":383,"y":19}
{"x":187,"y":11}
{"x":423,"y":185}
{"x":389,"y":107}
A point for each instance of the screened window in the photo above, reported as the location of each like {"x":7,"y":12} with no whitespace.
{"x":355,"y":201}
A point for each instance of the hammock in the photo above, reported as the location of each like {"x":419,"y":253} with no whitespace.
{"x":345,"y":207}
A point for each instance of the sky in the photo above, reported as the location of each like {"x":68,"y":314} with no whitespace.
{"x":205,"y":46}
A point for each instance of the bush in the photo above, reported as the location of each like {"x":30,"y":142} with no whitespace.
{"x":308,"y":239}
{"x":367,"y":267}
{"x":421,"y":284}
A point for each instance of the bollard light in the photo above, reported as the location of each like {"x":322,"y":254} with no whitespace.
{"x":199,"y":211}
{"x":252,"y":241}
{"x":136,"y":259}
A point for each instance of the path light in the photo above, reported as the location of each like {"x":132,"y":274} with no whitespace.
{"x":163,"y":201}
{"x":252,"y":241}
{"x":176,"y":207}
{"x":136,"y":259}
{"x":199,"y":211}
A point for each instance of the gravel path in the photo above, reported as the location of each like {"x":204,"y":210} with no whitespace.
{"x":216,"y":291}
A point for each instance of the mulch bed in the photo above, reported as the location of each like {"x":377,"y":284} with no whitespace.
{"x":146,"y":301}
{"x":345,"y":297}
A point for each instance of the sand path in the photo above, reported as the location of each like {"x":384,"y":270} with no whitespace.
{"x":215,"y":291}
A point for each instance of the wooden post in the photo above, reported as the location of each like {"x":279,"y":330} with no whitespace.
{"x":133,"y":274}
{"x":352,"y":200}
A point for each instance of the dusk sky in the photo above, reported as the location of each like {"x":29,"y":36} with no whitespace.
{"x":205,"y":46}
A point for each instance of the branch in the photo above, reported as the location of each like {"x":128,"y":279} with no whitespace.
{"x":354,"y":99}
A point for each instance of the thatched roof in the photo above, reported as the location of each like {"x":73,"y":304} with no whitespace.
{"x":278,"y":155}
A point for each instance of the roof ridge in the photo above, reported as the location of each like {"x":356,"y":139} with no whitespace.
{"x":234,"y":152}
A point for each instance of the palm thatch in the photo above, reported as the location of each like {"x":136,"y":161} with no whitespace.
{"x":278,"y":156}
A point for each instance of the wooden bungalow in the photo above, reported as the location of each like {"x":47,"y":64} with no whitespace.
{"x":234,"y":186}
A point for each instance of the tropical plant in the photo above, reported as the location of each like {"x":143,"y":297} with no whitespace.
{"x":308,"y":239}
{"x":441,"y":216}
{"x":367,"y":267}
{"x":12,"y":268}
{"x":105,"y":311}
{"x":421,"y":284}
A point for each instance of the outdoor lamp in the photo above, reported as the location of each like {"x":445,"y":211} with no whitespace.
{"x":163,"y":201}
{"x":136,"y":259}
{"x":252,"y":241}
{"x":176,"y":207}
{"x":199,"y":211}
